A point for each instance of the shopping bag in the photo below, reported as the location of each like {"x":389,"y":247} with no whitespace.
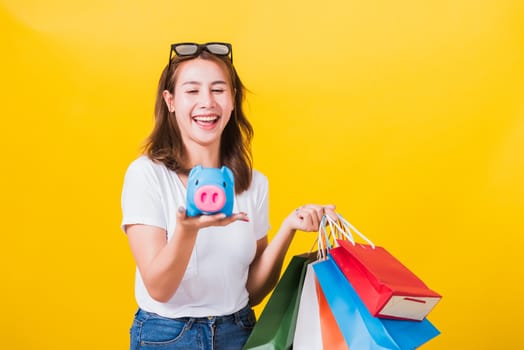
{"x":332,"y":338}
{"x":316,"y":328}
{"x":361,"y":330}
{"x":308,"y":335}
{"x":386,"y":286}
{"x":275,"y":327}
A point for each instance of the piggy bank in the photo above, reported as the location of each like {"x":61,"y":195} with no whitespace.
{"x":210,"y":191}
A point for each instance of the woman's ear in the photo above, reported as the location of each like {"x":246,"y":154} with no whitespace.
{"x":169,"y":100}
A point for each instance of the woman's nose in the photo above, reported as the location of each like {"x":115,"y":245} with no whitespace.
{"x":207,"y":99}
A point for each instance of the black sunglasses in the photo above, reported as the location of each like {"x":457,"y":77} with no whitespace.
{"x":194,"y":49}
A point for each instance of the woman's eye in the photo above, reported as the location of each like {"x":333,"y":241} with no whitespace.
{"x":218,"y":91}
{"x":192,"y":91}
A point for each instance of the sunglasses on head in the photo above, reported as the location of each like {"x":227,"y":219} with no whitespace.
{"x":194,"y":49}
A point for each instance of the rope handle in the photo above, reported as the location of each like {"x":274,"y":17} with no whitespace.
{"x":345,"y":228}
{"x":321,"y":240}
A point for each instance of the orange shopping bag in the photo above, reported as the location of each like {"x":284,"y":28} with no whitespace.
{"x":332,"y":338}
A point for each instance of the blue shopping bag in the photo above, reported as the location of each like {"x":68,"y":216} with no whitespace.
{"x":360,"y":329}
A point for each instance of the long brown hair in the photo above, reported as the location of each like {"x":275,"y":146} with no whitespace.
{"x":165,"y":144}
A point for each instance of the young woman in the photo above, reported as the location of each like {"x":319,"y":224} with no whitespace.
{"x":198,"y":277}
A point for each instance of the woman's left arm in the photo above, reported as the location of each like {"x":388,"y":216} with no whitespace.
{"x":264,"y":271}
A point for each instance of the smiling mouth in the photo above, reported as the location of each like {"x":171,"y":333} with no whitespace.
{"x":206,"y":120}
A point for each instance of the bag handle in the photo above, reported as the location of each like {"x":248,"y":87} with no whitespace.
{"x":324,"y":239}
{"x":345,"y":229}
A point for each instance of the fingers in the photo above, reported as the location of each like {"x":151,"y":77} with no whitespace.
{"x":201,"y":221}
{"x":221,"y":219}
{"x":310,"y":215}
{"x":241,"y":216}
{"x":318,"y":210}
{"x":329,"y":210}
{"x":181,"y":213}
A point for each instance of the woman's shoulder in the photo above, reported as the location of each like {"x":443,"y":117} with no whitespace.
{"x":143,"y":162}
{"x":259,"y":183}
{"x":145,"y":166}
{"x":258,"y":178}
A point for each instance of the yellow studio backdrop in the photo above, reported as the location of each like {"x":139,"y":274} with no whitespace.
{"x":408,"y":115}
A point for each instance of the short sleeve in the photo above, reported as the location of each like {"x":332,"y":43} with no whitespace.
{"x":261,"y":219}
{"x":141,"y":199}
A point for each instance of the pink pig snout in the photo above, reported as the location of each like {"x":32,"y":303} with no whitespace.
{"x":210,"y":198}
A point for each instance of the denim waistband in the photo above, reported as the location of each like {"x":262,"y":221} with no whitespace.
{"x":235,"y":317}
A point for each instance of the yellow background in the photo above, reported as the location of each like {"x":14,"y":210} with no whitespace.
{"x":408,"y":115}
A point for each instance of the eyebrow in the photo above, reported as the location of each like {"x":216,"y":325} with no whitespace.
{"x":193,"y":82}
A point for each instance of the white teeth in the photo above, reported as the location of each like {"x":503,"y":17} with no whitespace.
{"x":205,"y":119}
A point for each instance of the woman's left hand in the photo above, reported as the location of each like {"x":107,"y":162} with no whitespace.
{"x":307,"y":217}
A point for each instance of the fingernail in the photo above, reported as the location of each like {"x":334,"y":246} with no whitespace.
{"x":181,"y":209}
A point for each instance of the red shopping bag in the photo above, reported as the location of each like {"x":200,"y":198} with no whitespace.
{"x":387,"y":287}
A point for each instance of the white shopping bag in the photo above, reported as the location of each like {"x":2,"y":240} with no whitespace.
{"x":308,"y":335}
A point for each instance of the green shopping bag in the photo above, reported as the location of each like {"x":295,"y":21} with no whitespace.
{"x":275,"y":327}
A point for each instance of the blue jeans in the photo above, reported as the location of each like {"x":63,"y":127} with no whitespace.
{"x":151,"y":331}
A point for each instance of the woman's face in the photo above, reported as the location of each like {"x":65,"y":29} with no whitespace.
{"x":202,"y":102}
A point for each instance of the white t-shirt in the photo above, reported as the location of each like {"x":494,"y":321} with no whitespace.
{"x":214,"y":283}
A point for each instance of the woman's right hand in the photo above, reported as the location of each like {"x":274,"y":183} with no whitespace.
{"x":194,"y":223}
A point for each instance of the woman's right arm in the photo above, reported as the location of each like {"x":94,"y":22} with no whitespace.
{"x":162,"y":263}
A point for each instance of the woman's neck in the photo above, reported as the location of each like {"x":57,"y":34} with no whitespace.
{"x":204,"y":156}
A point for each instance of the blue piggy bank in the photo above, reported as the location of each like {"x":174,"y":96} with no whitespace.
{"x":210,"y":191}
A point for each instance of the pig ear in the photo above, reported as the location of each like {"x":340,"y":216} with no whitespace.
{"x":227,"y":172}
{"x":195,"y":170}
